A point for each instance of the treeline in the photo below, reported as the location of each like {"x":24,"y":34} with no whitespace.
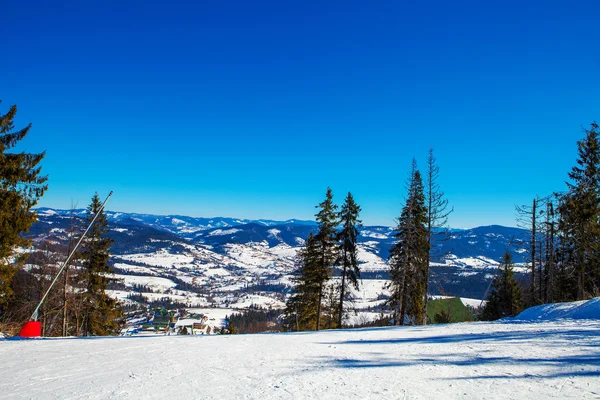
{"x":318,"y":301}
{"x":78,"y":304}
{"x":254,"y":320}
{"x":563,"y":244}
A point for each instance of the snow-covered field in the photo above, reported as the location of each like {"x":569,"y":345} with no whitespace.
{"x":503,"y":360}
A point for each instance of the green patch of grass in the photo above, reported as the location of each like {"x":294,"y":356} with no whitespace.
{"x":448,"y":310}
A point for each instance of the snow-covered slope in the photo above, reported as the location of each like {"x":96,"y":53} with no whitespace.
{"x":504,"y":360}
{"x":586,"y":309}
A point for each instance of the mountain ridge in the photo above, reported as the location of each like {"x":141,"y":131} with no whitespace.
{"x":222,"y":255}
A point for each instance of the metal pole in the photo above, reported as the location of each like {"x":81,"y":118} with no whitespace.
{"x":34,"y":316}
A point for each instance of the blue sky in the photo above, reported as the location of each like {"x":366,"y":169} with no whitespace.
{"x":251,"y":109}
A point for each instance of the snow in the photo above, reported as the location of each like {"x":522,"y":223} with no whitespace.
{"x":369,"y":260}
{"x":475,"y":303}
{"x":120,"y":295}
{"x":216,"y":272}
{"x":182,"y":296}
{"x":159,"y":259}
{"x":284,"y":250}
{"x":216,"y":316}
{"x":361,"y":317}
{"x":134,"y":268}
{"x":154,"y":282}
{"x":222,"y":232}
{"x":587,"y":309}
{"x":371,"y":234}
{"x":369,"y":290}
{"x":274,"y":233}
{"x":46,"y":212}
{"x":553,"y":359}
{"x":248,"y":300}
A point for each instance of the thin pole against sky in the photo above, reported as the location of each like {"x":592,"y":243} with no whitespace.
{"x":34,"y":316}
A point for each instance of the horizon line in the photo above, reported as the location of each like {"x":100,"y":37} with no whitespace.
{"x":256,"y":219}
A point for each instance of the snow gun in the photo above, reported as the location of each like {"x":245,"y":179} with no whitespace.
{"x":33,"y":327}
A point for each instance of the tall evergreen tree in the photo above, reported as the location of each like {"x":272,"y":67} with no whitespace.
{"x":302,"y":306}
{"x":504,"y":299}
{"x":437,"y":215}
{"x":327,"y":222}
{"x":565,"y":282}
{"x":408,"y":256}
{"x":21,"y":186}
{"x":550,"y":251}
{"x":580,"y":212}
{"x":101,"y":312}
{"x":347,"y":236}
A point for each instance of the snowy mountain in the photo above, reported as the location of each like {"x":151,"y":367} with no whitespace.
{"x":235,"y":262}
{"x":181,"y":225}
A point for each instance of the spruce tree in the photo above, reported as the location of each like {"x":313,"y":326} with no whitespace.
{"x":580,"y":211}
{"x":504,"y":299}
{"x":302,"y":306}
{"x":566,"y":281}
{"x":347,"y":237}
{"x":101,"y":312}
{"x":21,"y":186}
{"x":408,"y":256}
{"x":328,"y":249}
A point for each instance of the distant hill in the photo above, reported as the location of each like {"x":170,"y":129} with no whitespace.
{"x":253,"y":252}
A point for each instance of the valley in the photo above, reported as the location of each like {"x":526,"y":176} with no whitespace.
{"x":233,"y":264}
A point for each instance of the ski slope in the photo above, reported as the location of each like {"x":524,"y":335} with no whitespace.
{"x":555,"y":359}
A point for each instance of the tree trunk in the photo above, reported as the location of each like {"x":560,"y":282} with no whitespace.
{"x":342,"y":292}
{"x":541,"y":276}
{"x":402,"y":299}
{"x":318,"y":323}
{"x":533,"y":248}
{"x":64,"y":316}
{"x":427,"y":281}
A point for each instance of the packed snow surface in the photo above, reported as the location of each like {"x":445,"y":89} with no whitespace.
{"x":552,"y":359}
{"x":586,"y":309}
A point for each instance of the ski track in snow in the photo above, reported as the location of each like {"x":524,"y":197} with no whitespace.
{"x":502,"y":360}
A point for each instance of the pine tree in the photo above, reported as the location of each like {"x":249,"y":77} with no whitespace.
{"x":549,"y":234}
{"x":302,"y":306}
{"x":101,"y":312}
{"x":408,"y":256}
{"x":437,"y":215}
{"x":504,"y":299}
{"x":21,"y":186}
{"x":580,"y":213}
{"x":328,"y":249}
{"x":565,"y":280}
{"x":232,"y":328}
{"x":347,"y":236}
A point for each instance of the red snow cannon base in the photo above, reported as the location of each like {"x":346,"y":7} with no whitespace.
{"x":31,"y":329}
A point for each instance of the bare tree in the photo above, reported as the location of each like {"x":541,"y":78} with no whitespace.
{"x":437,"y":215}
{"x":528,"y":218}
